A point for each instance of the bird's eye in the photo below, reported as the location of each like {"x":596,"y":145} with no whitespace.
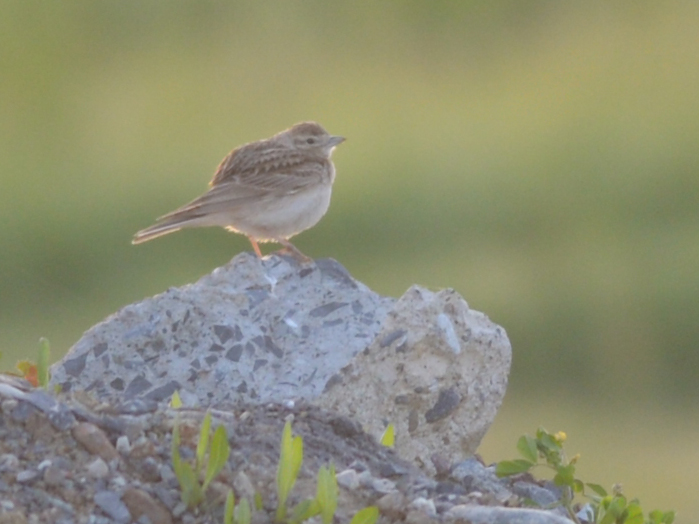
{"x":311,"y":140}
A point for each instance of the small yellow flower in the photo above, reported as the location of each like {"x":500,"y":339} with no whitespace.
{"x":560,"y":437}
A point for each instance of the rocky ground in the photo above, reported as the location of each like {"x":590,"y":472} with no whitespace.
{"x":259,"y":342}
{"x":73,"y":460}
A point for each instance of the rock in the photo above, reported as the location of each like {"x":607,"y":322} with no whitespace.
{"x":94,"y":440}
{"x":468,"y":514}
{"x":424,"y":505}
{"x":474,"y":476}
{"x":276,"y":330}
{"x":98,"y":468}
{"x":252,"y":330}
{"x":111,"y":504}
{"x":141,"y":503}
{"x":254,"y":432}
{"x":348,"y":479}
{"x":27,"y":476}
{"x":542,"y":496}
{"x":437,"y":370}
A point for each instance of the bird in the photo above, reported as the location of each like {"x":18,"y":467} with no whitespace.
{"x":268,"y":190}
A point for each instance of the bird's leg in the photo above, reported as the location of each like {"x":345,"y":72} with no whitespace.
{"x":255,"y":247}
{"x":288,"y":246}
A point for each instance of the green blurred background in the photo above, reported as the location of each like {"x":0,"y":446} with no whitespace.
{"x":540,"y":157}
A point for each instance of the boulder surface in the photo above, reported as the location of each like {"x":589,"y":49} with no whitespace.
{"x":276,"y":330}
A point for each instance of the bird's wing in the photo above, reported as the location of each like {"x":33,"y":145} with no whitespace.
{"x":251,"y":185}
{"x":268,"y":167}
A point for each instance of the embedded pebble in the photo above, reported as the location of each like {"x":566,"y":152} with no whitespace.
{"x":243,"y":485}
{"x":98,"y":469}
{"x":123,"y":446}
{"x":141,"y":504}
{"x":94,"y":440}
{"x":8,"y":462}
{"x":392,"y":505}
{"x":348,"y":478}
{"x":53,"y":475}
{"x":111,"y":504}
{"x":424,"y":505}
{"x":383,"y":485}
{"x":26,"y":476}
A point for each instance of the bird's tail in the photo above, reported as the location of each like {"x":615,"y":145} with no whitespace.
{"x":168,"y":225}
{"x":155,"y":231}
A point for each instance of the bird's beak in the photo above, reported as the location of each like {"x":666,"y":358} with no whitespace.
{"x":335,"y":140}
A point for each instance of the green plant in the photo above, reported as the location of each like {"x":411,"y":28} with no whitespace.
{"x":606,"y":508}
{"x":325,"y":501}
{"x":368,"y":515}
{"x":37,"y":374}
{"x":240,"y":514}
{"x":290,"y":458}
{"x":209,"y":461}
{"x":388,"y":438}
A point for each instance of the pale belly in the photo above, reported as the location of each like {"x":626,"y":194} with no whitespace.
{"x":282,"y":218}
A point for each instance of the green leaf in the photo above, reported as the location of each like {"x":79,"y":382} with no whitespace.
{"x":220,"y":450}
{"x":42,"y":364}
{"x":634,"y":514}
{"x":388,"y":438}
{"x":611,"y":509}
{"x":243,"y":515}
{"x":541,"y":432}
{"x":549,"y":443}
{"x":176,"y":401}
{"x":668,"y":517}
{"x":257,"y":499}
{"x":527,"y":448}
{"x":606,"y":518}
{"x":290,"y":459}
{"x":597,"y":489}
{"x":304,"y":510}
{"x":659,"y":517}
{"x":368,"y":515}
{"x":618,"y":504}
{"x":506,"y":468}
{"x":229,"y":508}
{"x":203,"y":443}
{"x":326,"y":493}
{"x":565,"y":476}
{"x":192,"y":494}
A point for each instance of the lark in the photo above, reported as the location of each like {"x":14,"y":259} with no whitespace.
{"x":269,"y":190}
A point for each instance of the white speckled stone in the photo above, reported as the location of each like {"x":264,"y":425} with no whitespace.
{"x":253,"y":330}
{"x":438,"y":371}
{"x":277,"y":330}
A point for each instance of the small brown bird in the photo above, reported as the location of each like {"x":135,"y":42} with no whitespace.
{"x":268,"y":190}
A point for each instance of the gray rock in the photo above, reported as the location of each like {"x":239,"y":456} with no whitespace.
{"x":276,"y":330}
{"x":496,"y":515}
{"x":252,"y":330}
{"x":474,"y":476}
{"x":542,"y":496}
{"x":26,"y":476}
{"x":98,"y":469}
{"x":111,"y":504}
{"x":437,"y":370}
{"x":348,"y":479}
